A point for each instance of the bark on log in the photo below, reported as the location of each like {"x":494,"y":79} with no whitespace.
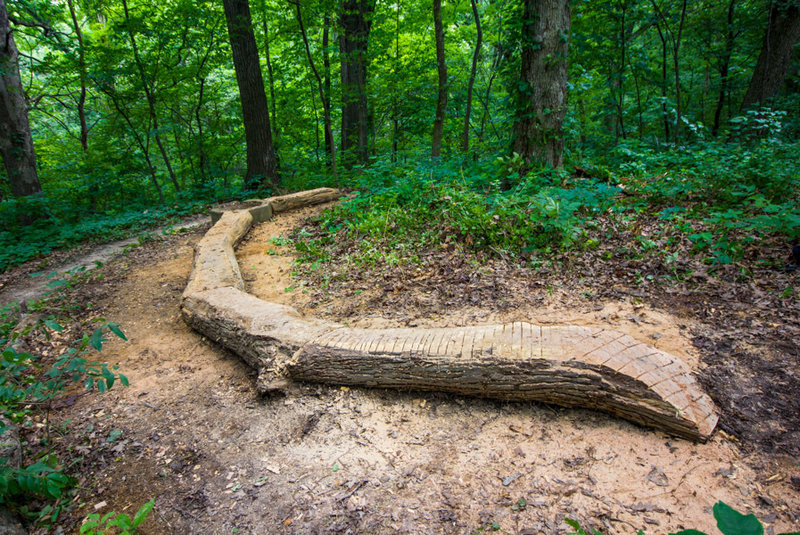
{"x":301,"y":199}
{"x":568,"y":365}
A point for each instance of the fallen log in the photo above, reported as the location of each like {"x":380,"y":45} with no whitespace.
{"x":573,"y":366}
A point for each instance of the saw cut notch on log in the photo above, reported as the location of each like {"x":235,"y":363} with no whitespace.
{"x":574,"y":366}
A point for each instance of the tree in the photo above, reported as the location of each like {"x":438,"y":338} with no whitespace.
{"x":331,"y":146}
{"x":261,"y":164}
{"x":782,"y":33}
{"x":16,"y":142}
{"x":441,"y":69}
{"x":542,"y":97}
{"x":356,"y":21}
{"x":471,"y":84}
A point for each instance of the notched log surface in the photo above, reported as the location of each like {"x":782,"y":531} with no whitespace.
{"x":588,"y":367}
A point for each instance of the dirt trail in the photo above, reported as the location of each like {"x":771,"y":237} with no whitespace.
{"x":191,"y":431}
{"x":34,"y":288}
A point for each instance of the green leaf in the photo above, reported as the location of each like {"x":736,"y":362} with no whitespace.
{"x":114,"y":328}
{"x":123,"y":380}
{"x":142,"y":513}
{"x":688,"y":532}
{"x":53,"y":326}
{"x":97,"y":339}
{"x":732,"y":522}
{"x":124,"y":522}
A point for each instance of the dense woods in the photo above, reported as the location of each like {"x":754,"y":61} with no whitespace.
{"x":137,"y":107}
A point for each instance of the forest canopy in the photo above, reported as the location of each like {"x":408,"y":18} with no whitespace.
{"x":540,"y":111}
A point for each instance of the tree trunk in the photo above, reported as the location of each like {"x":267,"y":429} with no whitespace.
{"x":261,"y":164}
{"x":16,"y":142}
{"x":723,"y":69}
{"x":441,"y":68}
{"x":475,"y":57}
{"x":325,"y":102}
{"x":150,"y":97}
{"x":664,"y":115}
{"x":355,"y":20}
{"x":326,"y":66}
{"x":268,"y":58}
{"x":783,"y":31}
{"x":543,"y":97}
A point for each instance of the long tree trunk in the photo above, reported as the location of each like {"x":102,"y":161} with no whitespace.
{"x":16,"y":142}
{"x":676,"y":45}
{"x":326,"y":66}
{"x":783,"y":31}
{"x":395,"y":97}
{"x":150,"y":97}
{"x":724,"y":68}
{"x":664,"y":115}
{"x":325,"y":103}
{"x":261,"y":163}
{"x":441,"y":69}
{"x":475,"y":58}
{"x":268,"y":59}
{"x":538,"y":128}
{"x":356,"y":21}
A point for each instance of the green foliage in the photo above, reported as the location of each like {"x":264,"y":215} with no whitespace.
{"x":27,"y":384}
{"x":121,"y":523}
{"x":729,"y":522}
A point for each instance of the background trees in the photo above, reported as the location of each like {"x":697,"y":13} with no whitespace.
{"x":134,"y":105}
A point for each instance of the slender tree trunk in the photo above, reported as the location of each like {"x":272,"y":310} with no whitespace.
{"x":542,"y":103}
{"x":441,"y":69}
{"x":782,"y":33}
{"x":200,"y":144}
{"x":326,"y":65}
{"x":150,"y":97}
{"x":664,"y":81}
{"x":268,"y":58}
{"x":325,"y":103}
{"x":395,"y":102}
{"x":262,"y":169}
{"x":498,"y":55}
{"x":676,"y":45}
{"x":475,"y":58}
{"x":16,"y":142}
{"x":356,"y":21}
{"x":620,"y":83}
{"x":724,"y":68}
{"x":84,"y":136}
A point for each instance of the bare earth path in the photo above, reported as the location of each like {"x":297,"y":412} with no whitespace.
{"x":192,"y":432}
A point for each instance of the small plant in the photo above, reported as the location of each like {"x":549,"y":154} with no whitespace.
{"x":26,"y":385}
{"x":124,"y":524}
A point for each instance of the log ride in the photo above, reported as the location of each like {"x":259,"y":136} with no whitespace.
{"x":573,"y":366}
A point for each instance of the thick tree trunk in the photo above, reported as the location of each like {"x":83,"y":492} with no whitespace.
{"x":356,"y":21}
{"x":543,"y":102}
{"x":262,"y":169}
{"x":16,"y":142}
{"x":783,"y":31}
{"x":441,"y":68}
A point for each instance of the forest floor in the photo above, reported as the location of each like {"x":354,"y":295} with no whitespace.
{"x":192,"y":432}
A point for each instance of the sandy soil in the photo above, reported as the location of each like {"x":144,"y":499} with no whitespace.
{"x":192,"y":433}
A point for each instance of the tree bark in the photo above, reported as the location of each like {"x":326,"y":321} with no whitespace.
{"x":356,"y":21}
{"x":261,"y":163}
{"x":538,"y":129}
{"x":326,"y":67}
{"x":441,"y":69}
{"x":16,"y":142}
{"x":783,"y":31}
